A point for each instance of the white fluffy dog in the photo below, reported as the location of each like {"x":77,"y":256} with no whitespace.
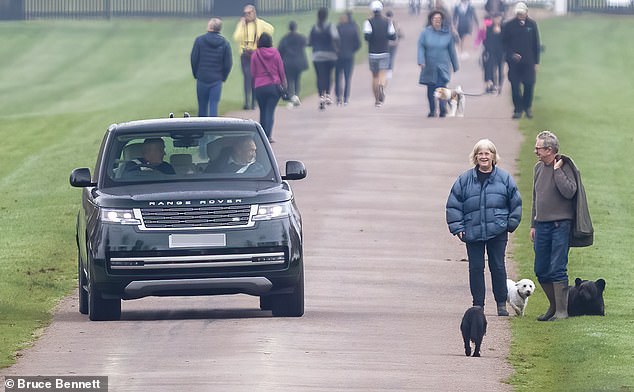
{"x":455,"y":100}
{"x":519,"y":293}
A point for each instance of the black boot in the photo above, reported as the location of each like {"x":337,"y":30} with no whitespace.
{"x":550,"y":294}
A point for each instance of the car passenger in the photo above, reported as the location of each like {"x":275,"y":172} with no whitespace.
{"x":241,"y":160}
{"x":153,"y":151}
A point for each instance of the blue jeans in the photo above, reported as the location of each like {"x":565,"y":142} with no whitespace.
{"x":495,"y":249}
{"x":551,"y":250}
{"x":208,"y":98}
{"x":267,"y":96}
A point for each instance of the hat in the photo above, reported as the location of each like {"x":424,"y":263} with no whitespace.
{"x":521,"y":8}
{"x":376,"y":6}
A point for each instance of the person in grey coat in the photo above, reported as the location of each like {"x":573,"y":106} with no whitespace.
{"x":436,"y":54}
{"x":211,"y":63}
{"x":484,"y":205}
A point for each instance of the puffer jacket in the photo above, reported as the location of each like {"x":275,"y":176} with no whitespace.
{"x":483,"y":212}
{"x":211,"y":58}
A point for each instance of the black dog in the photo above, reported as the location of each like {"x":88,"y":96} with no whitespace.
{"x":473,"y":327}
{"x":586,"y":298}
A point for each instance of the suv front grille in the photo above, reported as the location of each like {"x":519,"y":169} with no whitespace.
{"x":203,"y":217}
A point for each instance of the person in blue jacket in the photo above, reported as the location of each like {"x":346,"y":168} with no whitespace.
{"x":436,"y":54}
{"x":484,"y":205}
{"x":211,"y":63}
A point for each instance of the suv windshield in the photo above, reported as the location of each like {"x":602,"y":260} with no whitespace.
{"x":166,"y":156}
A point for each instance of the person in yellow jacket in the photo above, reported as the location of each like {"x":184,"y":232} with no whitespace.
{"x":247,"y":33}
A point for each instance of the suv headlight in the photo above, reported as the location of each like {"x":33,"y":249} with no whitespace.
{"x":122,"y":217}
{"x":272,"y":211}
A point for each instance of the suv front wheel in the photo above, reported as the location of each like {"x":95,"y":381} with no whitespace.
{"x":100,"y":309}
{"x":289,"y":305}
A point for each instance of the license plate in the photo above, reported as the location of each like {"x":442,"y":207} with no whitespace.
{"x":196,"y":240}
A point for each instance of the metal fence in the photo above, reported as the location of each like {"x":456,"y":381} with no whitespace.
{"x":602,"y":6}
{"x":86,"y":9}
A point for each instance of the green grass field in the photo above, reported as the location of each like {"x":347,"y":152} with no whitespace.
{"x":587,"y":59}
{"x":61,"y":83}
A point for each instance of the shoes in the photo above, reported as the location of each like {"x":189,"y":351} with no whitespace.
{"x":378,"y":104}
{"x":245,"y":107}
{"x":381,"y":94}
{"x":339,"y":102}
{"x":431,"y":115}
{"x":442,"y":115}
{"x":295,"y":100}
{"x":271,"y":140}
{"x":517,"y":115}
{"x":529,"y":113}
{"x":322,"y":103}
{"x":327,"y":99}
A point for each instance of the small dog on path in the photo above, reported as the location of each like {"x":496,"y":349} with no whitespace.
{"x":473,"y":328}
{"x":455,"y":100}
{"x":518,"y":294}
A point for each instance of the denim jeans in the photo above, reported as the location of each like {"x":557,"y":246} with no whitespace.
{"x":495,"y":249}
{"x":208,"y":98}
{"x":551,"y":250}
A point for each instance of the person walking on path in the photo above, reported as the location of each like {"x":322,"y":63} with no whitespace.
{"x":246,"y":35}
{"x":324,"y":39}
{"x":559,"y":219}
{"x":436,"y":53}
{"x":378,"y":31}
{"x":494,"y":56}
{"x":292,"y":49}
{"x":211,"y":63}
{"x":522,"y":47}
{"x":268,"y":74}
{"x":392,"y":45}
{"x":349,"y":43}
{"x":464,"y":18}
{"x":484,"y":205}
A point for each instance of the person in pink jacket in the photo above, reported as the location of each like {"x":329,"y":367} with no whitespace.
{"x":268,"y":74}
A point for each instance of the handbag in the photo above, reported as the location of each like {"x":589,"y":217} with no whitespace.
{"x":281,"y":89}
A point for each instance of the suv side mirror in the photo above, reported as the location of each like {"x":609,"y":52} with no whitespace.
{"x":81,"y":178}
{"x":295,"y":170}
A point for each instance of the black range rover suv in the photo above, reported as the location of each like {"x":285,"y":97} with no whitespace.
{"x":188,"y":206}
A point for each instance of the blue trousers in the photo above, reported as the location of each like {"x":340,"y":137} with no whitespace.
{"x":343,"y":66}
{"x":208,"y":98}
{"x":496,"y":250}
{"x":551,"y":250}
{"x":267,"y":96}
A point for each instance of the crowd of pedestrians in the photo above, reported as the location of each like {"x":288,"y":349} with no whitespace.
{"x":442,"y":44}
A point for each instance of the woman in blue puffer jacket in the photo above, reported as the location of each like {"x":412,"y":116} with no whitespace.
{"x":484,"y":205}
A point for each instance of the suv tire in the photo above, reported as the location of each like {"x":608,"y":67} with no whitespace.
{"x":100,"y":309}
{"x":290,"y":305}
{"x":83,"y":284}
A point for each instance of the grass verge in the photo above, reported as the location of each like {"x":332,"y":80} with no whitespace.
{"x":587,"y":60}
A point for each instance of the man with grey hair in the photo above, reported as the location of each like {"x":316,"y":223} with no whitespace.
{"x":554,"y":189}
{"x":520,"y":39}
{"x":211,"y":63}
